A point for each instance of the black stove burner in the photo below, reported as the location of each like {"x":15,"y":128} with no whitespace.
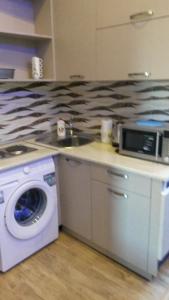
{"x":3,"y":154}
{"x":14,"y":151}
{"x":18,"y":150}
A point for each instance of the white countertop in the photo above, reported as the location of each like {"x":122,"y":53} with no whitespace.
{"x":105,"y":154}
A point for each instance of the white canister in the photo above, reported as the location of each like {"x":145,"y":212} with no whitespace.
{"x":61,"y":129}
{"x":106,"y":131}
{"x":116,"y":133}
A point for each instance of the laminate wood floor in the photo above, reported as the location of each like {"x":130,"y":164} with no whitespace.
{"x":69,"y":270}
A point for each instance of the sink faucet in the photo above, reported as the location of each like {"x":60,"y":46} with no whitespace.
{"x":70,"y":126}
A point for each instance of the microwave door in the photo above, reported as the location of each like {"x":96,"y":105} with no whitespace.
{"x":140,"y":143}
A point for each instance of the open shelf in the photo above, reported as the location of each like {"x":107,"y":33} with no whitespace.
{"x":25,"y":35}
{"x":26,"y":31}
{"x":18,"y":53}
{"x":28,"y":80}
{"x":29,"y":16}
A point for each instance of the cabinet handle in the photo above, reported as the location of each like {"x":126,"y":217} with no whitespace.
{"x":143,"y":74}
{"x":73,"y":160}
{"x":77,"y":77}
{"x":123,"y":195}
{"x":124,"y":176}
{"x":141,"y":15}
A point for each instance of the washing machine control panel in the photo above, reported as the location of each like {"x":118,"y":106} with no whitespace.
{"x":50,"y":179}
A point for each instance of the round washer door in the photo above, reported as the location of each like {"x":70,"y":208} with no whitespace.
{"x":29,"y":210}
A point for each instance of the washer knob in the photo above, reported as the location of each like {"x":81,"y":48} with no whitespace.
{"x":26,"y":170}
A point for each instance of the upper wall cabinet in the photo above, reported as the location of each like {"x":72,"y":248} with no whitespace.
{"x":134,"y":51}
{"x":117,"y":12}
{"x":26,"y":31}
{"x":75,"y":24}
{"x":132,"y":40}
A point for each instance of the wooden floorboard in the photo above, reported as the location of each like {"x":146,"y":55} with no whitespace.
{"x":69,"y":270}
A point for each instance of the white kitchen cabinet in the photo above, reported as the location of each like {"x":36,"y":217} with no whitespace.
{"x":120,"y":223}
{"x":75,"y":196}
{"x":117,"y":12}
{"x":133,"y":51}
{"x":118,"y":212}
{"x":75,"y":23}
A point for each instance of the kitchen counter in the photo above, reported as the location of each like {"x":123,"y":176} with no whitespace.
{"x":40,"y":153}
{"x":98,"y":152}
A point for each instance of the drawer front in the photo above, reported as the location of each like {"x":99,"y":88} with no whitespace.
{"x":120,"y":178}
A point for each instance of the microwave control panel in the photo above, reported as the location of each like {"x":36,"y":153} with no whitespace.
{"x":148,"y":143}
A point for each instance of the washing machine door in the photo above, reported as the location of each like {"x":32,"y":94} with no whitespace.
{"x":29,"y":210}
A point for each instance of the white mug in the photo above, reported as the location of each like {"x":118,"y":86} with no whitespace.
{"x":37,"y":67}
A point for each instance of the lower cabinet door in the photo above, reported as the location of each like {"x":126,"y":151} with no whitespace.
{"x":120,"y":223}
{"x":75,"y":195}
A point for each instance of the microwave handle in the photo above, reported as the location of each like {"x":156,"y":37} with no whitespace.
{"x":157,"y":145}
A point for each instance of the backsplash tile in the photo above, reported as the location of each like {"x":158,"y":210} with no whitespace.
{"x":28,"y":109}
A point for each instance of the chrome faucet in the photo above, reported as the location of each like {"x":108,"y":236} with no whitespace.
{"x":70,"y":127}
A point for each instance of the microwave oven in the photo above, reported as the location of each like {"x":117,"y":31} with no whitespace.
{"x":151,"y":143}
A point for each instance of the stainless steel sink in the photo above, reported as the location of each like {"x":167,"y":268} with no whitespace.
{"x":74,"y":141}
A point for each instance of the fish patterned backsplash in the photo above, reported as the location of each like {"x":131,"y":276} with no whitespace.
{"x":29,"y":109}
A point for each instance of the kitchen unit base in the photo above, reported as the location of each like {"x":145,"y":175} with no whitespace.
{"x":121,"y":218}
{"x":124,"y":215}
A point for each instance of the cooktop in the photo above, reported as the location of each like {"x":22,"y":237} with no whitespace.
{"x":15,"y":150}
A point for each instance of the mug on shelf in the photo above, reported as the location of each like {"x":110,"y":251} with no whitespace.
{"x":37,"y":67}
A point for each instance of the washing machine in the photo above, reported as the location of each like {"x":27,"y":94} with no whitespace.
{"x":28,"y":211}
